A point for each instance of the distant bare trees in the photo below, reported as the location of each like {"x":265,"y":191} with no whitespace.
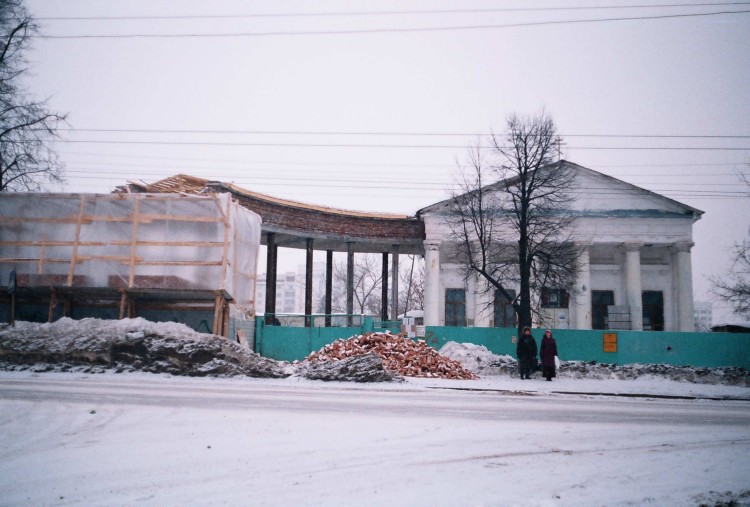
{"x":368,"y":282}
{"x":735,"y":288}
{"x":510,"y":217}
{"x":27,"y":160}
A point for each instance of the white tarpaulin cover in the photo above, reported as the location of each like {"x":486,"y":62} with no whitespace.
{"x":141,"y":241}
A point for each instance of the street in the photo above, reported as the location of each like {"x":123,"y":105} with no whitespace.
{"x":73,"y":439}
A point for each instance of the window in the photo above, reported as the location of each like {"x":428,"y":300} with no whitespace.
{"x":505,"y":315}
{"x":653,"y":310}
{"x":554,"y":298}
{"x":600,"y":301}
{"x":455,"y":307}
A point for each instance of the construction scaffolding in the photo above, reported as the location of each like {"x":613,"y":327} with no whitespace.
{"x":134,"y":253}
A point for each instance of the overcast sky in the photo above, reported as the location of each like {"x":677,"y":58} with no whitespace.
{"x":368,"y":105}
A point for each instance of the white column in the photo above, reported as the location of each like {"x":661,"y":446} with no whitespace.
{"x":633,"y":284}
{"x":583,"y":289}
{"x":432,"y":283}
{"x":684,"y":295}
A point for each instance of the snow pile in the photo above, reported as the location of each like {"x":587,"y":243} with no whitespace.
{"x":94,"y":345}
{"x":478,"y":358}
{"x":481,"y":361}
{"x":399,"y":355}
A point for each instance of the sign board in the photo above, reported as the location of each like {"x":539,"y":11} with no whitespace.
{"x":408,"y":327}
{"x":610,"y":342}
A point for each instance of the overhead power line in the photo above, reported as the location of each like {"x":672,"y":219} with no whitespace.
{"x":399,"y":187}
{"x":384,"y":133}
{"x":391,"y":30}
{"x":374,"y":145}
{"x":387,"y":13}
{"x":358,"y":163}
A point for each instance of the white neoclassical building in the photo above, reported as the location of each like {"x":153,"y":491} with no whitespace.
{"x":635,"y":272}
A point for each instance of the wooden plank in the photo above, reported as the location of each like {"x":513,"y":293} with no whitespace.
{"x":71,"y":270}
{"x":235,"y":257}
{"x":147,"y":218}
{"x":40,"y":264}
{"x":217,"y":313}
{"x":179,"y":263}
{"x":123,"y":305}
{"x":227,"y":230}
{"x":225,"y":320}
{"x":134,"y":239}
{"x":52,"y":304}
{"x":44,"y":244}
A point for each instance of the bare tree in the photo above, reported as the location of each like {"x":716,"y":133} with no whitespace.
{"x":27,"y":129}
{"x":735,"y":288}
{"x":367,"y":282}
{"x":516,"y":233}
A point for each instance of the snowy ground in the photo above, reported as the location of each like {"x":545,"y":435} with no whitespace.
{"x":147,"y":439}
{"x":77,"y":432}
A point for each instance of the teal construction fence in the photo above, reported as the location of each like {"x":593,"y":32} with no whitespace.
{"x":289,"y":343}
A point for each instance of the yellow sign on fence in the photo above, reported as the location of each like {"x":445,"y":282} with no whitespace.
{"x":610,"y":342}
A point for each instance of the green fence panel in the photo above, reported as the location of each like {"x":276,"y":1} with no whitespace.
{"x":292,"y":343}
{"x":322,"y":336}
{"x":283,"y":343}
{"x":645,"y":347}
{"x":497,"y":340}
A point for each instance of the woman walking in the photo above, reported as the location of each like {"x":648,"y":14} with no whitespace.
{"x":547,"y":353}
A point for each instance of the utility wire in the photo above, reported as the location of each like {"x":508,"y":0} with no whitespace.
{"x":434,"y":192}
{"x":397,"y":181}
{"x":385,"y":13}
{"x":383,"y":133}
{"x":358,"y":163}
{"x":387,"y":30}
{"x":406,"y":146}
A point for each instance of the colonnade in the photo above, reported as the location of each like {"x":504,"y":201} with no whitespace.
{"x":682,"y":286}
{"x":271,"y":276}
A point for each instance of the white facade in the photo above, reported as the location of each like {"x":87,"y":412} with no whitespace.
{"x":637,"y":251}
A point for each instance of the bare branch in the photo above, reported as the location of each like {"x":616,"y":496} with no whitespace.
{"x":27,"y":129}
{"x":516,"y":233}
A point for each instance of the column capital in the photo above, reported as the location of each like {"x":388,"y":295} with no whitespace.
{"x":682,"y":246}
{"x":632,"y":246}
{"x":432,"y":245}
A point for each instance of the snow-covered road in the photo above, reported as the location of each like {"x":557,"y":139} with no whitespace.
{"x":73,"y":439}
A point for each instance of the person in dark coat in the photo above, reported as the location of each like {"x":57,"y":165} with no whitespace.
{"x":526,"y":353}
{"x":547,"y":353}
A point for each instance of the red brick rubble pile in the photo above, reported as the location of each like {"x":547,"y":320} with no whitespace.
{"x":399,"y":355}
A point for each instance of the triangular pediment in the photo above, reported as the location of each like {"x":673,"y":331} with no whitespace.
{"x":597,"y":194}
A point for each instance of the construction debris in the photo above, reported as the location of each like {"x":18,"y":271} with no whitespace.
{"x":400,"y":355}
{"x":363,"y":368}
